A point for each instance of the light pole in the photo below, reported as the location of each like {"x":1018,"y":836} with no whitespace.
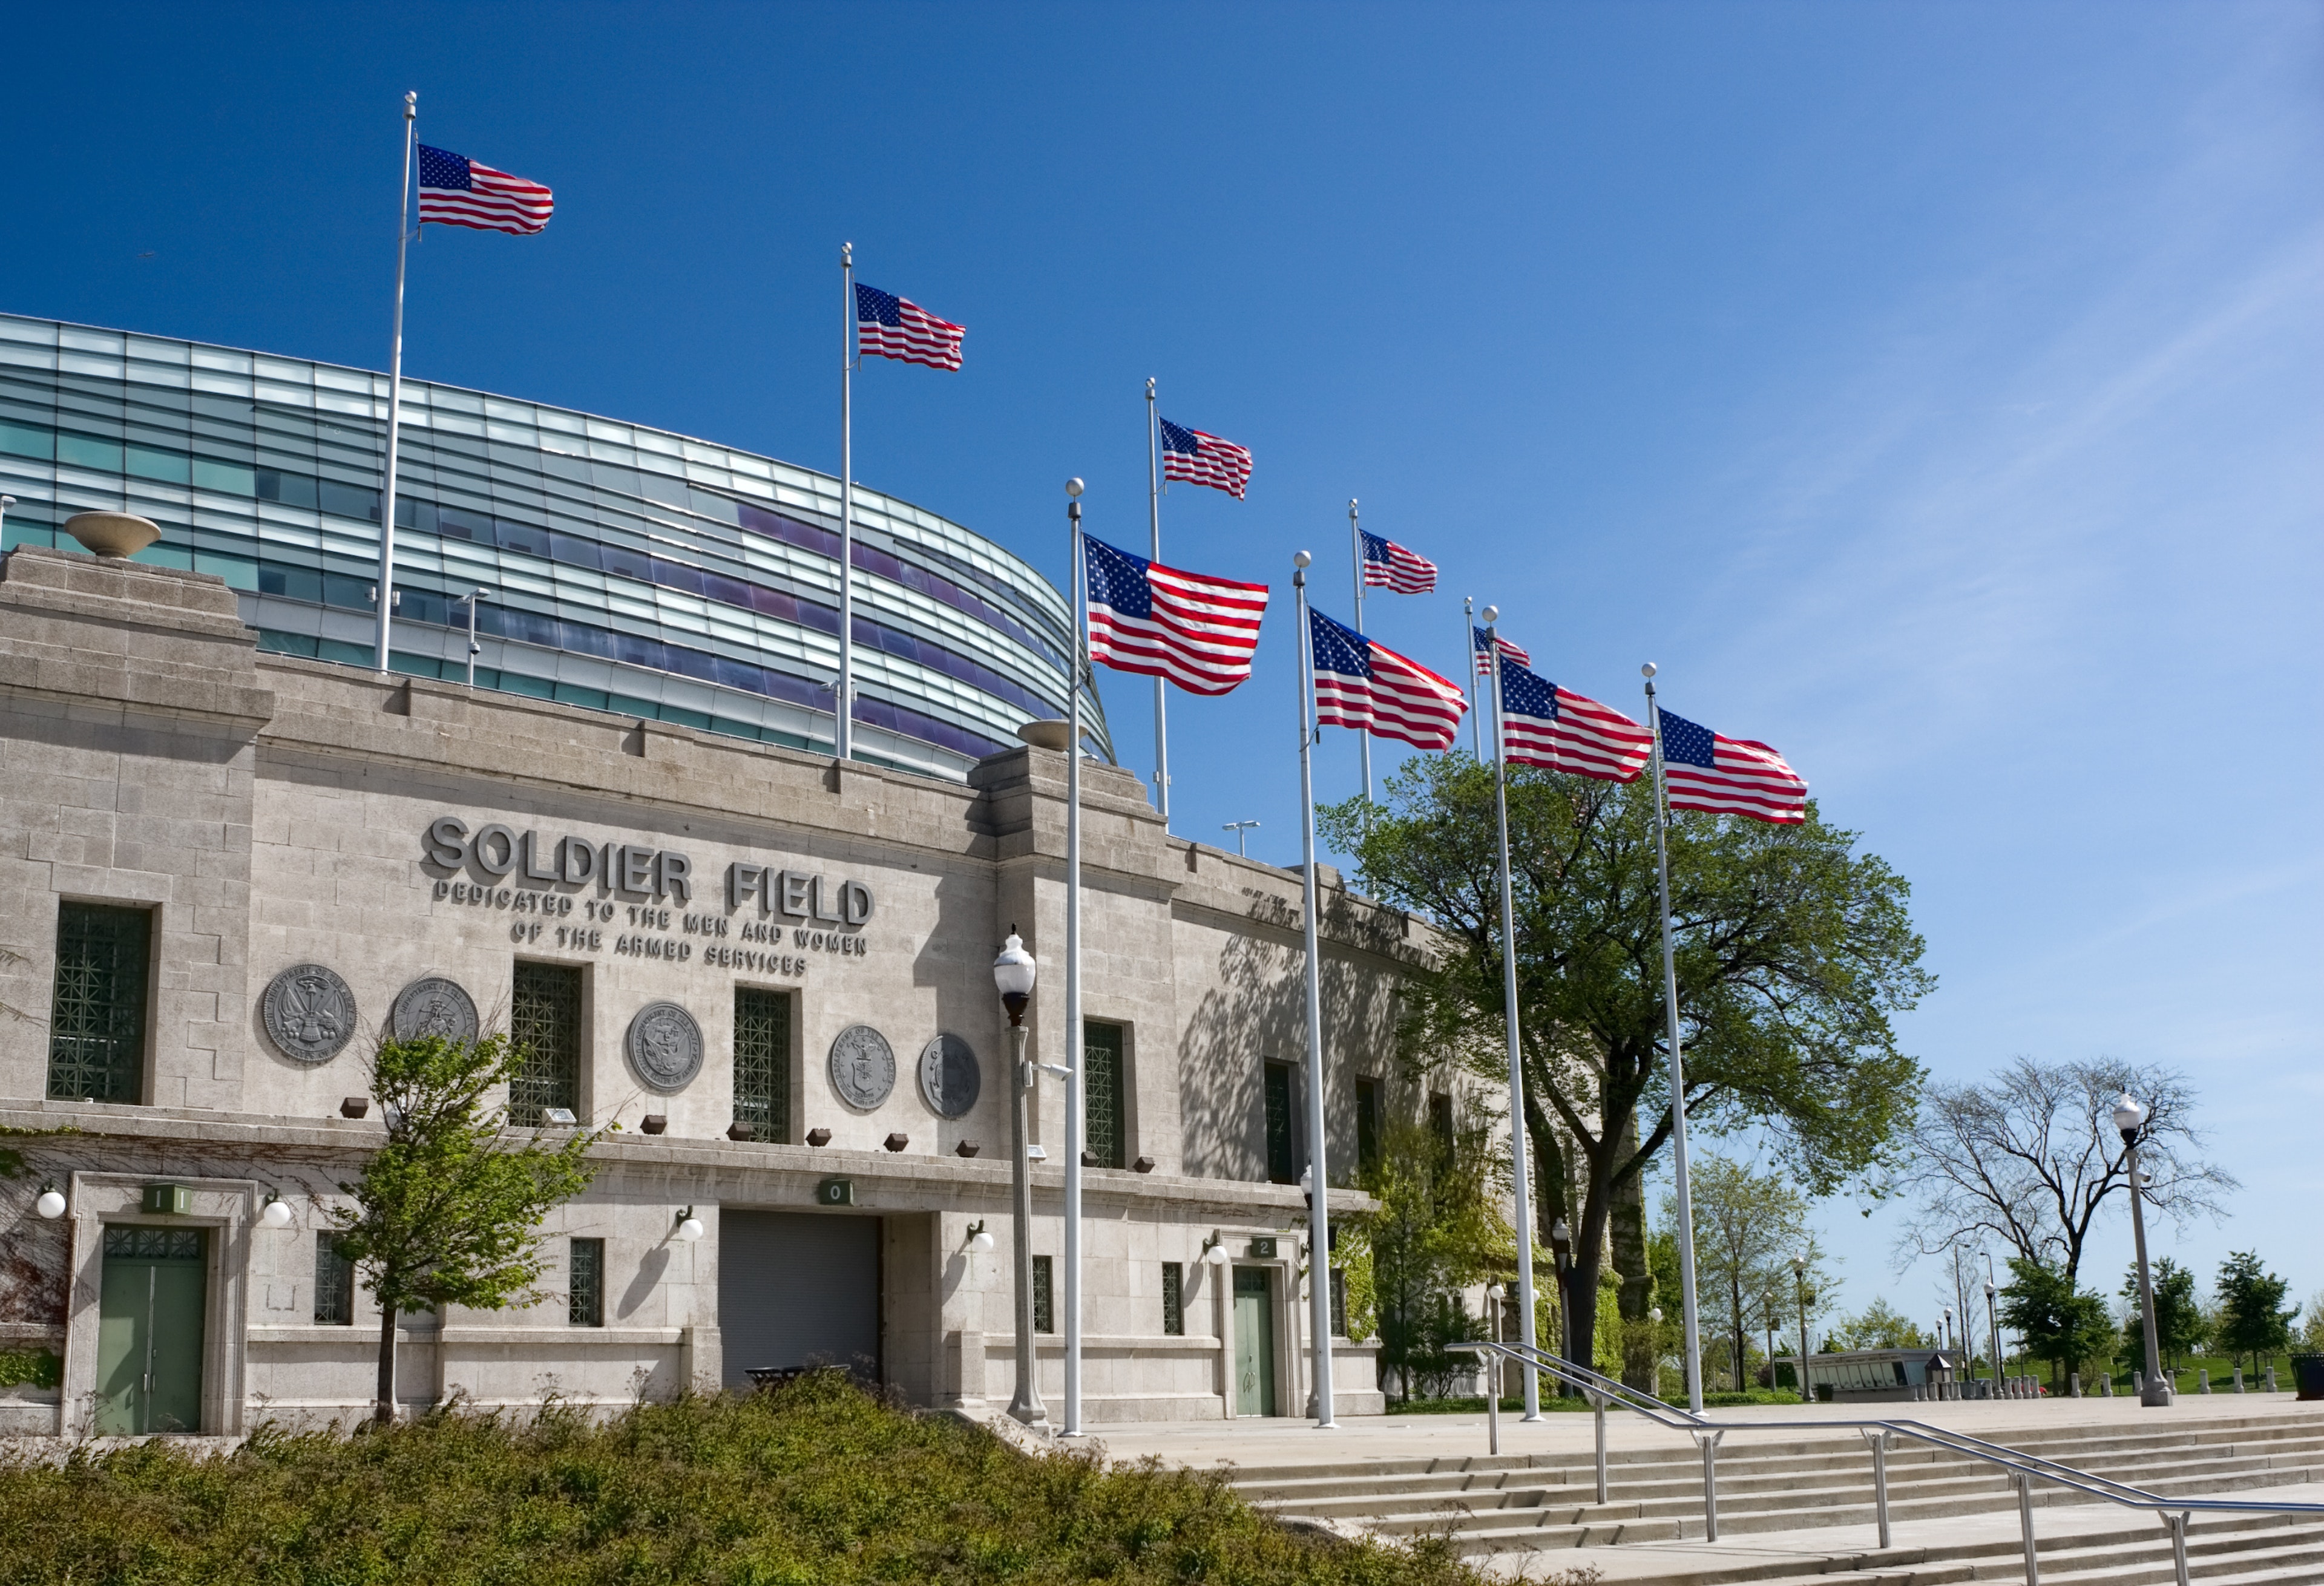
{"x":1239,"y":828}
{"x":1992,"y":1323}
{"x":1800,"y":1274}
{"x":472,"y":646}
{"x":2130,"y":1117}
{"x":1561,"y":1251}
{"x":1012,"y":974}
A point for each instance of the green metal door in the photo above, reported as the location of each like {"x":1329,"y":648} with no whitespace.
{"x":1254,"y":1332}
{"x":149,"y":1330}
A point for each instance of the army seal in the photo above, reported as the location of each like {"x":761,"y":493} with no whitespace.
{"x":664,"y":1047}
{"x":949,"y":1076}
{"x":309,"y":1012}
{"x":433,"y":1006}
{"x":862,"y":1066}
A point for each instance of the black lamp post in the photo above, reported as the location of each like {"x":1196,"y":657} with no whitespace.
{"x":2130,"y":1117}
{"x":1800,"y":1275}
{"x":1012,"y":974}
{"x":1993,"y":1325}
{"x":1561,"y":1247}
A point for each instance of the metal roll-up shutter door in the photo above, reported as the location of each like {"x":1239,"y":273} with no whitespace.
{"x":797,"y":1288}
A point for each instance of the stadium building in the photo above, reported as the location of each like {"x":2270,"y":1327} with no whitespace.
{"x":233,"y":856}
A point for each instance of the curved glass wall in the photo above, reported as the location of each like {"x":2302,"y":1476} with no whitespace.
{"x":623,"y":567}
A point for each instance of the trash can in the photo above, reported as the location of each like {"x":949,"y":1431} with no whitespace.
{"x":2307,"y":1375}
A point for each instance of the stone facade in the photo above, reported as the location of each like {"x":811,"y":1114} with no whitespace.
{"x":270,"y":812}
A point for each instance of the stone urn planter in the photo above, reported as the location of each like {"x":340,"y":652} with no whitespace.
{"x":113,"y":534}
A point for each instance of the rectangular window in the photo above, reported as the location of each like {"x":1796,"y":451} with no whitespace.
{"x":762,"y":1063}
{"x":1367,"y":1124}
{"x":1174,"y":1299}
{"x":1339,"y":1302}
{"x":1440,"y":1121}
{"x":334,"y":1282}
{"x":545,"y":1025}
{"x":97,"y":1017}
{"x":1045,"y":1314}
{"x":1282,"y":1160}
{"x":586,"y":1284}
{"x":1105,"y":1119}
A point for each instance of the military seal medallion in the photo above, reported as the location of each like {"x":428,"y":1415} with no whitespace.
{"x":309,"y":1012}
{"x":862,"y":1066}
{"x":433,"y":1006}
{"x":665,"y":1047}
{"x":949,"y":1076}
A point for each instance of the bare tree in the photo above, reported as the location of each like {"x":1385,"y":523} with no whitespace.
{"x":2030,"y":1157}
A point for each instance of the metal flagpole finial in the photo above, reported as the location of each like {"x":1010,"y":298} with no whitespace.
{"x":411,"y":103}
{"x":1073,"y":488}
{"x":1150,"y":388}
{"x":1300,"y":559}
{"x":1351,"y":506}
{"x":1491,"y":614}
{"x":846,"y":255}
{"x":1647,"y":670}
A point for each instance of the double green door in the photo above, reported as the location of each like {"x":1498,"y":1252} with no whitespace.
{"x":149,"y":1330}
{"x":1254,"y":1342}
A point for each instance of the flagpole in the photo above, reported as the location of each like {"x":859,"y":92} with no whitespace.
{"x":386,"y":587}
{"x":1518,"y":1173}
{"x":1356,"y":540}
{"x":843,"y":731}
{"x":1476,"y":705}
{"x":1073,"y":1037}
{"x":1154,"y":512}
{"x":1677,"y":1059}
{"x":1319,"y":1232}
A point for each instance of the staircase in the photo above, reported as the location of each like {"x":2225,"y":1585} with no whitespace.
{"x":1801,"y":1481}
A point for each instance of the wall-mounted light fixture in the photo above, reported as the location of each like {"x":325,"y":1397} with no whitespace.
{"x":978,"y":1242}
{"x":689,"y":1226}
{"x":1215,"y":1250}
{"x":277,"y":1213}
{"x":51,"y":1204}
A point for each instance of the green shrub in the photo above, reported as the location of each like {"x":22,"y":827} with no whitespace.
{"x":816,"y":1483}
{"x":40,"y":1367}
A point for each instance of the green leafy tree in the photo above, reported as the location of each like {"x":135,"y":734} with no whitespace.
{"x":1438,"y":1228}
{"x":448,"y":1210}
{"x":2312,"y":1325}
{"x":2060,"y":1323}
{"x":2254,"y":1320}
{"x":1880,"y":1326}
{"x":1748,"y":1226}
{"x":1793,"y":949}
{"x":2180,"y":1325}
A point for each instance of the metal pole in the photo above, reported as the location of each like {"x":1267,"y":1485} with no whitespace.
{"x":1356,"y":540}
{"x":2025,"y":1527}
{"x":473,"y":647}
{"x":1678,"y":1067}
{"x":1476,"y":705}
{"x":1709,"y":1441}
{"x":1879,"y":1441}
{"x":1074,"y":1036}
{"x":2178,"y":1524}
{"x":2155,"y":1393}
{"x":843,"y":704}
{"x":1598,"y":1404}
{"x":386,"y":589}
{"x":1161,"y":692}
{"x":1027,"y":1407}
{"x":1319,"y":1286}
{"x":1807,"y":1389}
{"x":1519,"y":1178}
{"x":1992,"y":1323}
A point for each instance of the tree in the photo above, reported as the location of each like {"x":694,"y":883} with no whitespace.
{"x":1748,"y":1226}
{"x":2179,"y":1325}
{"x":1439,"y":1228}
{"x":1793,"y":951}
{"x":2060,"y":1323}
{"x":2033,"y":1156}
{"x":448,"y":1210}
{"x":2253,"y":1317}
{"x":1880,"y":1326}
{"x":2311,"y":1326}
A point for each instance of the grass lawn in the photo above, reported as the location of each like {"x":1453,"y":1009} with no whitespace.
{"x":816,"y":1483}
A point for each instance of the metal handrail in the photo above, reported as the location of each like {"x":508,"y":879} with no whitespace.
{"x":2024,"y":1468}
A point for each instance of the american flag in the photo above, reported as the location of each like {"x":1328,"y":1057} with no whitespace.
{"x":1388,"y":564}
{"x":1366,"y":685}
{"x":890,"y":326}
{"x":1546,"y":725}
{"x":455,"y":190}
{"x":1728,"y":775}
{"x":1485,"y":644}
{"x":1204,"y":459}
{"x":1196,"y":630}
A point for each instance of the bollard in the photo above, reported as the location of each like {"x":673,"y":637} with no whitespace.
{"x":2239,"y":1378}
{"x":2138,"y":1382}
{"x":2105,"y":1385}
{"x":2270,"y":1380}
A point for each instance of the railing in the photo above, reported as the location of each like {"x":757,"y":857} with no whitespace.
{"x":2023,"y":1469}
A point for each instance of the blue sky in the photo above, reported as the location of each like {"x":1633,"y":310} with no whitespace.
{"x":1932,"y":391}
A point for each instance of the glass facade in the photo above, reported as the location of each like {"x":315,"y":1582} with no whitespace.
{"x":626,"y":568}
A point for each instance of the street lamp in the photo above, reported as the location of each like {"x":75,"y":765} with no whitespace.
{"x":2130,"y":1117}
{"x":1239,"y":828}
{"x":1012,"y":974}
{"x":1560,"y":1246}
{"x":1800,"y":1275}
{"x":1993,"y":1325}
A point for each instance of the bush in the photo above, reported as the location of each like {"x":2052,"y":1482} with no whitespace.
{"x":817,"y":1482}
